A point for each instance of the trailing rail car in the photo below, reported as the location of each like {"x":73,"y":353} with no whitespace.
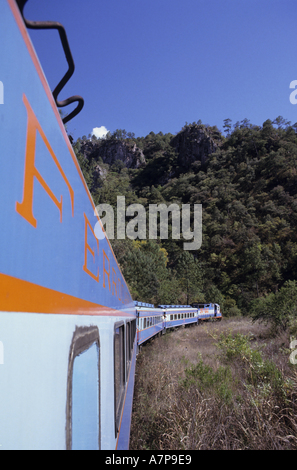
{"x":150,"y":321}
{"x":177,"y":315}
{"x":69,"y":329}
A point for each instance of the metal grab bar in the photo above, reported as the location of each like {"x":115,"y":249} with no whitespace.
{"x":69,"y":58}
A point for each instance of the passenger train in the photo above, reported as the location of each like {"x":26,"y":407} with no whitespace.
{"x":69,"y":329}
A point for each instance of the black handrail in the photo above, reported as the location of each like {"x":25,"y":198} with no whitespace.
{"x":69,"y":58}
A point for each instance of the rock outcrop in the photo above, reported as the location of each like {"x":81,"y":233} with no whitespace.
{"x":194,"y":143}
{"x":112,"y":150}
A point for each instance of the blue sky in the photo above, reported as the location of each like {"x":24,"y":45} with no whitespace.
{"x":152,"y":65}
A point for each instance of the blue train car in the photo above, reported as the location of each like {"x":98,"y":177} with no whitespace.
{"x":208,"y":311}
{"x":150,"y":321}
{"x":177,"y":315}
{"x":67,"y":319}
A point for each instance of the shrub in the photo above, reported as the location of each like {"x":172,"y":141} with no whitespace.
{"x":262,"y":374}
{"x":279,"y":309}
{"x":204,"y":379}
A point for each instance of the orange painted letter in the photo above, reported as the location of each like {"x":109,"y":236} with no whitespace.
{"x":114,"y":282}
{"x":88,"y":248}
{"x":105,"y":272}
{"x":25,"y":208}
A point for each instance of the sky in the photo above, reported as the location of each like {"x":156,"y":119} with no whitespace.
{"x":153,"y":65}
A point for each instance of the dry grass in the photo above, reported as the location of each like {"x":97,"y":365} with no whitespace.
{"x":192,"y":394}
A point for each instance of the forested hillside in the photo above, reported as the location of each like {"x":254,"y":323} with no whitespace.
{"x":246,"y":181}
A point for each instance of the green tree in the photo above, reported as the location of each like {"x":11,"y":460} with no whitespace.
{"x":227,"y":126}
{"x":189,"y":274}
{"x":279,"y":309}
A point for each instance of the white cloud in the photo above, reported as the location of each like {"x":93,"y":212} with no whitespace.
{"x":100,"y":132}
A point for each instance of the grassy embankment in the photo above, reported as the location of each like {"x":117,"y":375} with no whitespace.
{"x":225,"y":385}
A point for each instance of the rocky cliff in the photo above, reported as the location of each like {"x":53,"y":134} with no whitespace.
{"x":194,"y":143}
{"x":112,"y":150}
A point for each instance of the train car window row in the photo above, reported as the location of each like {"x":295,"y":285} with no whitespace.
{"x":180,"y":316}
{"x":149,"y":321}
{"x":124,"y":339}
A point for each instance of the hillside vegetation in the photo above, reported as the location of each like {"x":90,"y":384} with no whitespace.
{"x":246,"y":182}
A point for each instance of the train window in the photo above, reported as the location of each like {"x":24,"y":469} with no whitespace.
{"x":119,"y":371}
{"x":130,"y":337}
{"x":83,"y":391}
{"x":128,"y":343}
{"x":133,"y":332}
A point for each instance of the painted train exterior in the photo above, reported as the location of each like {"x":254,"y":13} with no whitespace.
{"x":155,"y":321}
{"x":69,"y":329}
